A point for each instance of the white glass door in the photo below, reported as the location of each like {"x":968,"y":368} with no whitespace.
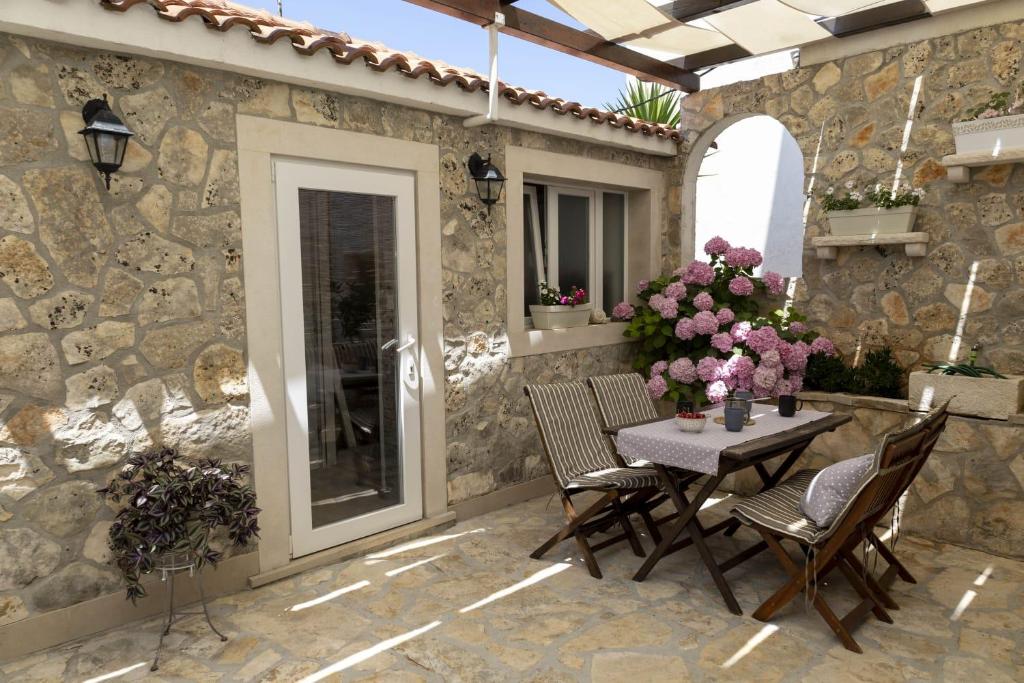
{"x":347,"y":239}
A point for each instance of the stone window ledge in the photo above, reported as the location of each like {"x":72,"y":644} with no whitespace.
{"x":531,"y":342}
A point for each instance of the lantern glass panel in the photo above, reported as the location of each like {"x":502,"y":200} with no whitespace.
{"x":483,"y":189}
{"x":90,"y":142}
{"x":122,"y":146}
{"x":107,"y":145}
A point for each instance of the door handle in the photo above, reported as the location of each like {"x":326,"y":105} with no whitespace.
{"x":391,"y":344}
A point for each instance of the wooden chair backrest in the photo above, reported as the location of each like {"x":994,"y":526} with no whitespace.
{"x":898,"y":453}
{"x":569,"y":430}
{"x":622,"y":399}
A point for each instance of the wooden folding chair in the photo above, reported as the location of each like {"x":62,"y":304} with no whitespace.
{"x":775,"y":514}
{"x":622,"y":400}
{"x":934,"y":423}
{"x":582,"y":459}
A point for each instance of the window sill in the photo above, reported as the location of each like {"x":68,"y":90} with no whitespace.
{"x":531,"y":342}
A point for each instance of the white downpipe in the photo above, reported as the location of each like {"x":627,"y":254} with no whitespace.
{"x":492,"y":89}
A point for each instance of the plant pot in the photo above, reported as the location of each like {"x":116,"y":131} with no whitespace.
{"x":872,"y":221}
{"x":989,"y":136}
{"x":987,"y":397}
{"x":560,"y":317}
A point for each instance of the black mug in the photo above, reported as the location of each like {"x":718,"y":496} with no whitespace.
{"x":788,"y":405}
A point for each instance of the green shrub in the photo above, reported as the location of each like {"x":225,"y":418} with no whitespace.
{"x":878,"y":375}
{"x":828,"y":373}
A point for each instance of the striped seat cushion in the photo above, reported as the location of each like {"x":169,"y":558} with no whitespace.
{"x":616,"y":478}
{"x":623,"y":399}
{"x":779,"y":509}
{"x":570,"y":431}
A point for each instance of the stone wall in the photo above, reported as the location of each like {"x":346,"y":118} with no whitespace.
{"x":849,"y":117}
{"x":122,"y":312}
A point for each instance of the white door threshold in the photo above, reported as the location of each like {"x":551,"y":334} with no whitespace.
{"x":362,"y":546}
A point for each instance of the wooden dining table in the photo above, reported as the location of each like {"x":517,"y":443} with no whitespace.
{"x":665,"y":447}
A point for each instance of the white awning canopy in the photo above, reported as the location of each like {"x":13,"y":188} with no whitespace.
{"x":754,"y":27}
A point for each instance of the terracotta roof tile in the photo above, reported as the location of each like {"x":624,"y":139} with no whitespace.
{"x":306,"y":39}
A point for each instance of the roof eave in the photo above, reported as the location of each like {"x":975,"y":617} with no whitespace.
{"x":144,"y":33}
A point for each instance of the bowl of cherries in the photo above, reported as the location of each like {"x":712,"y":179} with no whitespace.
{"x":691,"y":422}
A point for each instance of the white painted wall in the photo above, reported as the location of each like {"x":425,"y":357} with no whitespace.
{"x":750,"y":191}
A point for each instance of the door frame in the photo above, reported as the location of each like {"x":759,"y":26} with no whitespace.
{"x":291,"y":175}
{"x":259,"y":141}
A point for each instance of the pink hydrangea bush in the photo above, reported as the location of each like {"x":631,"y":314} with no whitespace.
{"x":711,"y":328}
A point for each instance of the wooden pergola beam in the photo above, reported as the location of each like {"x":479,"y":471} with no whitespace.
{"x":875,"y":18}
{"x":688,"y":10}
{"x":713,"y":57}
{"x":552,"y":34}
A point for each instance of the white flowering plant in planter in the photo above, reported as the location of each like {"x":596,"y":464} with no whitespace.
{"x":876,"y":210}
{"x":992,"y":127}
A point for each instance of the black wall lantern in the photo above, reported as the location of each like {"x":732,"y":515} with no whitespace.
{"x":488,"y":179}
{"x":105,"y":136}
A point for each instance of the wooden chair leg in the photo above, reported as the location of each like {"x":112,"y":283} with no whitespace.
{"x":836,"y":625}
{"x":798,"y":583}
{"x":627,"y":528}
{"x":574,"y":522}
{"x":790,"y":590}
{"x":887,"y":555}
{"x":588,"y":555}
{"x":652,"y":526}
{"x":865,"y":576}
{"x":868,"y":597}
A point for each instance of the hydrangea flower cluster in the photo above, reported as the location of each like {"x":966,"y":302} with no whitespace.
{"x":742,"y":257}
{"x":705,"y":335}
{"x":623,"y":311}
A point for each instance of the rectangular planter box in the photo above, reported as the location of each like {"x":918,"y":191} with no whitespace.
{"x":973,"y":396}
{"x":872,"y":221}
{"x":560,"y":317}
{"x":989,"y":136}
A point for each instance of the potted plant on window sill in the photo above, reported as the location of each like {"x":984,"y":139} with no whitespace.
{"x":889,"y":213}
{"x":557,"y":311}
{"x":992,"y":128}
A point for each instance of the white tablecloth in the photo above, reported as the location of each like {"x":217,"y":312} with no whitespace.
{"x":666,"y":444}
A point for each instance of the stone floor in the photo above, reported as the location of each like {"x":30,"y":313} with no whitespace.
{"x":469,"y":605}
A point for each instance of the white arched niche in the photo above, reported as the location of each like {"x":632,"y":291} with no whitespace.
{"x":744,"y":181}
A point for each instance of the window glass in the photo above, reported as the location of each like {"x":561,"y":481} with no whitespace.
{"x":613,"y":246}
{"x":533,"y":245}
{"x":573,"y":242}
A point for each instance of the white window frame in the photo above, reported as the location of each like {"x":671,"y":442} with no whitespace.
{"x":595,"y":282}
{"x":538,"y":244}
{"x":645,"y":190}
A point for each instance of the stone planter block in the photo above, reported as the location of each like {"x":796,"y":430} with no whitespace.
{"x":560,"y":317}
{"x":872,"y":221}
{"x":973,"y":396}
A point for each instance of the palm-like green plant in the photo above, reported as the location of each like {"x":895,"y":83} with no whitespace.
{"x":648,"y":101}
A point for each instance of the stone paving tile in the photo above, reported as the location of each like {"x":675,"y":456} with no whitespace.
{"x":469,"y":605}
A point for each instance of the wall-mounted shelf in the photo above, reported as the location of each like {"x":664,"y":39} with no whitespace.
{"x":915,"y":243}
{"x":958,"y":166}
